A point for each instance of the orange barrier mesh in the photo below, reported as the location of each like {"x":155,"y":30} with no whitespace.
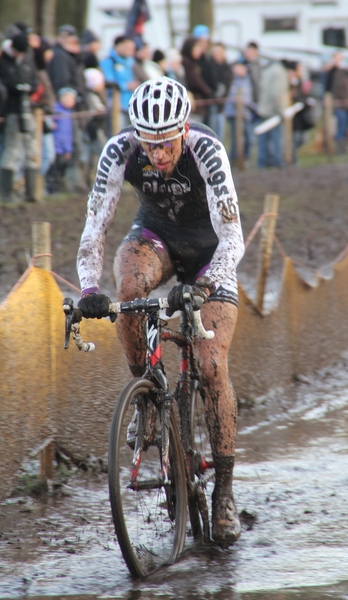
{"x":48,"y":392}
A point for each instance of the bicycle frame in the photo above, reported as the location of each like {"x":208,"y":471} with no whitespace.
{"x":188,"y":381}
{"x":155,"y":333}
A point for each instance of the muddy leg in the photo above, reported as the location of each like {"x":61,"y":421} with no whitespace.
{"x":138,"y":270}
{"x":221,"y":413}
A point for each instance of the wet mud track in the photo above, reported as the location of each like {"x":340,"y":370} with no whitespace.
{"x":291,"y":480}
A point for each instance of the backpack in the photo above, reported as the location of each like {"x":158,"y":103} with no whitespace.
{"x":306,"y":118}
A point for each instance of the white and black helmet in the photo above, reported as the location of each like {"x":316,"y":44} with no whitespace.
{"x":159,"y":106}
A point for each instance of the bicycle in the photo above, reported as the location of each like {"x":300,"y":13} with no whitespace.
{"x":154,"y":471}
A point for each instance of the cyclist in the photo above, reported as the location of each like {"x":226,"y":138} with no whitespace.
{"x":187,"y":225}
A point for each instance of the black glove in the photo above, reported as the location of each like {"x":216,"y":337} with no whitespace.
{"x":94,"y":306}
{"x":176,"y":300}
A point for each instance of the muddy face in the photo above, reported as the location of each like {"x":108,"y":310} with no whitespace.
{"x":164,"y":154}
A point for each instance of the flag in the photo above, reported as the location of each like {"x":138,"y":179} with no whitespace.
{"x":137,"y":16}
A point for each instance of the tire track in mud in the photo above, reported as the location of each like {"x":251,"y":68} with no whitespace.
{"x":290,"y":482}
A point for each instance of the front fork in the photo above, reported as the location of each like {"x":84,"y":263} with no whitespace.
{"x":165,"y":401}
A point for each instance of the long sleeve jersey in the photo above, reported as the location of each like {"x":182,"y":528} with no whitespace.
{"x":197,"y":204}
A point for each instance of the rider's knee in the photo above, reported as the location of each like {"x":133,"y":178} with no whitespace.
{"x":214,"y":370}
{"x":130,"y":287}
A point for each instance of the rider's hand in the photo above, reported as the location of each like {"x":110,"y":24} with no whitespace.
{"x":94,"y":306}
{"x":176,"y":300}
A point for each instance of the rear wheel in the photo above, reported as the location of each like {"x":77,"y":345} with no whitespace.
{"x":149,"y":515}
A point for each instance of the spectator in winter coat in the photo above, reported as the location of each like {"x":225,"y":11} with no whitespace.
{"x":206,"y":65}
{"x":66,"y":70}
{"x":91,"y":45}
{"x":44,"y":97}
{"x":96,"y":127}
{"x":336,"y":82}
{"x":118,"y":70}
{"x":252,"y":60}
{"x":63,"y":139}
{"x":223,"y":76}
{"x":175,"y":70}
{"x":66,"y":67}
{"x":274,"y":97}
{"x":19,"y":77}
{"x":192,"y":51}
{"x":144,"y":68}
{"x":242,"y":82}
{"x":299,"y":92}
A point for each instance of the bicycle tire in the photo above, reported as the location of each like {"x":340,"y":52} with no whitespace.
{"x":150,"y":524}
{"x":200,"y":443}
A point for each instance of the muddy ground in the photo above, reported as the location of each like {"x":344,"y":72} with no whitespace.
{"x":292,"y":489}
{"x":312,"y":225}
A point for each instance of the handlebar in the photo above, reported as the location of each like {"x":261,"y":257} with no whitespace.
{"x":73,"y":316}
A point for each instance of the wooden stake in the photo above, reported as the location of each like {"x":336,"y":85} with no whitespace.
{"x":38,"y":135}
{"x":266,"y":242}
{"x":115,"y":111}
{"x":239,"y":129}
{"x":288,"y":140}
{"x":41,"y":241}
{"x":328,"y":116}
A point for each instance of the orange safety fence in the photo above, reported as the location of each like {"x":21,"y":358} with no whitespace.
{"x":48,"y":393}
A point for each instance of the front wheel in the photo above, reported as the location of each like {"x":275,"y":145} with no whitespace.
{"x":149,"y":513}
{"x":204,"y":474}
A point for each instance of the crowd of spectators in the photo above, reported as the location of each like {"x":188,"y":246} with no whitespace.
{"x":74,"y":88}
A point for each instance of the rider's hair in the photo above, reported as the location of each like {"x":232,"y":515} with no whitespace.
{"x":159,"y":105}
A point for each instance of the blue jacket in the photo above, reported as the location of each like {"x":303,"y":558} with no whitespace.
{"x":119,"y":70}
{"x":244,"y":83}
{"x":63,"y":134}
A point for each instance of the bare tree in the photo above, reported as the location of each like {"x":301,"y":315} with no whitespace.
{"x":201,"y":11}
{"x":170,"y":22}
{"x":49,"y":18}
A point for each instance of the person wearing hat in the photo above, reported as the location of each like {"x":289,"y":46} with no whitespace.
{"x":19,"y":76}
{"x":66,"y":71}
{"x":90,"y":44}
{"x":187,"y":226}
{"x":66,"y":67}
{"x":63,"y":134}
{"x":96,"y":127}
{"x":118,"y":71}
{"x":208,"y":72}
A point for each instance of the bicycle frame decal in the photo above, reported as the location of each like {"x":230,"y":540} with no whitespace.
{"x":184,"y":365}
{"x":153,"y":345}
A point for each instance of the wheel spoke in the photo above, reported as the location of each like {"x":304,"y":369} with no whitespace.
{"x":149,"y":516}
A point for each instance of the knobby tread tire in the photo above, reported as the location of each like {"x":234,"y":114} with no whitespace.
{"x":117,"y":490}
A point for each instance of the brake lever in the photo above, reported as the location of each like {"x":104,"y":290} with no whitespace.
{"x":189,"y":299}
{"x":72,"y":315}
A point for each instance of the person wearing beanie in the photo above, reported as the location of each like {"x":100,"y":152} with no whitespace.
{"x":118,"y":71}
{"x":90,"y":47}
{"x":201,"y":32}
{"x":66,"y":70}
{"x":19,"y":77}
{"x":63,"y":134}
{"x":175,"y":69}
{"x":96,"y":127}
{"x":144,"y":68}
{"x":159,"y":58}
{"x":204,"y":64}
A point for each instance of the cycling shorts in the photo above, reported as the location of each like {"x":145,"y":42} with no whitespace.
{"x":188,"y":265}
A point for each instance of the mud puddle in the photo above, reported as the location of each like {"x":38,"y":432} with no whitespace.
{"x":291,"y":481}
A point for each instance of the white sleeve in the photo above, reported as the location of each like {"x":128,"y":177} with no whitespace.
{"x":213,"y":164}
{"x":101,"y":207}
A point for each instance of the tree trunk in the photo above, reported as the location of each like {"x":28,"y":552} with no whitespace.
{"x":170,"y":22}
{"x":16,"y":10}
{"x":201,"y":11}
{"x":48,"y":25}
